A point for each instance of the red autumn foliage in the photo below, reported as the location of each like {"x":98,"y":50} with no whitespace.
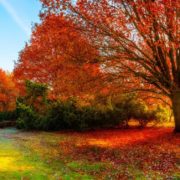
{"x":8,"y":92}
{"x":151,"y":149}
{"x":139,"y":40}
{"x":59,"y":56}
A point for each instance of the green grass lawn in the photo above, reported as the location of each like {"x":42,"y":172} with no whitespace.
{"x":21,"y":157}
{"x":151,"y":153}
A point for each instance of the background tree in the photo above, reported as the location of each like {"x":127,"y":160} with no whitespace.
{"x":136,"y":37}
{"x":59,"y":56}
{"x":8,"y":92}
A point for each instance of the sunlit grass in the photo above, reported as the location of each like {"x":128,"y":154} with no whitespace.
{"x":25,"y":160}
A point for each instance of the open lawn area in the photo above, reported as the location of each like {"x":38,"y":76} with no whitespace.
{"x":150,"y":153}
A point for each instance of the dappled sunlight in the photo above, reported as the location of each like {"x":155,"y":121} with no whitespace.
{"x":121,"y":138}
{"x":14,"y":161}
{"x":100,"y":143}
{"x":152,"y":150}
{"x":11,"y":158}
{"x":127,"y":153}
{"x":10,"y":164}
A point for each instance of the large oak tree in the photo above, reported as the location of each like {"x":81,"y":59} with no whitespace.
{"x":138,"y":37}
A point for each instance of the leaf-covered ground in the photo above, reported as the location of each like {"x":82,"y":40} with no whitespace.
{"x":151,"y":153}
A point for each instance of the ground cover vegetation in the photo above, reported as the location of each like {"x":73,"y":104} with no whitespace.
{"x":150,"y":153}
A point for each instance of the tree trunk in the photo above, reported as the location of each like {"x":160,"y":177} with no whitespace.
{"x":176,"y":109}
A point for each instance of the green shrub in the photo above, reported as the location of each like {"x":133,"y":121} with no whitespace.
{"x":96,"y":118}
{"x":162,"y":114}
{"x":60,"y":115}
{"x":31,"y":109}
{"x":130,"y":106}
{"x":66,"y":115}
{"x":27,"y":118}
{"x":35,"y":111}
{"x":8,"y":116}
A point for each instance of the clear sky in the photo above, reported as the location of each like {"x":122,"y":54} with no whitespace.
{"x":16,"y":19}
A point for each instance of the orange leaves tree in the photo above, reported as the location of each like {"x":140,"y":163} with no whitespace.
{"x":140,"y":38}
{"x":8,"y":92}
{"x":59,"y":56}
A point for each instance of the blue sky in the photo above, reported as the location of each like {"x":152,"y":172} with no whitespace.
{"x":16,"y":19}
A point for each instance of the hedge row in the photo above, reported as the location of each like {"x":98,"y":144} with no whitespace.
{"x":35,"y":111}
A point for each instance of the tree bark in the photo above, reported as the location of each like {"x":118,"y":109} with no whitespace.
{"x":176,"y":109}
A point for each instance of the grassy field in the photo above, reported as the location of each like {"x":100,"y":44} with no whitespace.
{"x":150,"y":153}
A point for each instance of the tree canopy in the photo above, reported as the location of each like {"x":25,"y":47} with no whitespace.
{"x":140,"y":38}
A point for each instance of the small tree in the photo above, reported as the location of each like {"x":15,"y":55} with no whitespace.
{"x":33,"y":106}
